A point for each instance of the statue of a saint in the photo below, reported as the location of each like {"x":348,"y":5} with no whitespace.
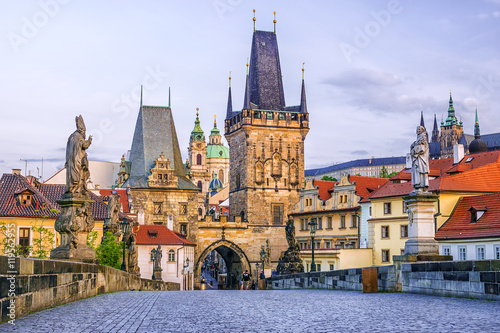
{"x":290,"y":233}
{"x":420,"y":161}
{"x":133,"y":255}
{"x":77,"y":165}
{"x":111,"y":223}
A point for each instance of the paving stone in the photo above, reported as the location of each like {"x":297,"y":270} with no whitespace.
{"x":263,"y":311}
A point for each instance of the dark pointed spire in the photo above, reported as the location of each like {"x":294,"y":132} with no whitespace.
{"x":477,"y":132}
{"x":435,"y":131}
{"x":168,"y":96}
{"x":422,"y":119}
{"x":246,"y":102}
{"x":229,"y":112}
{"x":452,"y":118}
{"x":141,"y":94}
{"x":303,"y":104}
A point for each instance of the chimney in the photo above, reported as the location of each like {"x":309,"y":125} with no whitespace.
{"x":458,"y":153}
{"x":16,"y":171}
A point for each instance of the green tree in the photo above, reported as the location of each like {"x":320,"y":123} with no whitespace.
{"x":330,"y":178}
{"x":383,"y":172}
{"x":109,"y":252}
{"x":43,"y":242}
{"x":91,"y":238}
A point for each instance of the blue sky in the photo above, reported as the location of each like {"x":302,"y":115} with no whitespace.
{"x":371,"y":67}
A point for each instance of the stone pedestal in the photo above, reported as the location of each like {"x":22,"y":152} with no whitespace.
{"x":74,"y":223}
{"x":421,"y":226}
{"x":157,"y":274}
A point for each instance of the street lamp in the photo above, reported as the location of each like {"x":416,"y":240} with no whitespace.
{"x":312,"y":230}
{"x":124,"y":229}
{"x":153,"y":256}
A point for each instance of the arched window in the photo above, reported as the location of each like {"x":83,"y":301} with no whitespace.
{"x":171,"y":255}
{"x":221,"y":175}
{"x":200,"y":185}
{"x":198,"y":159}
{"x":242,"y":214}
{"x":200,"y":211}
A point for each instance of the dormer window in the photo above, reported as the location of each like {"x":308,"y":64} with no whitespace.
{"x":476,"y":213}
{"x":153,"y":233}
{"x":469,"y":159}
{"x":25,"y":199}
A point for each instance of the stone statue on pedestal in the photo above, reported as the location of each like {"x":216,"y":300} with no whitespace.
{"x":133,"y":255}
{"x":75,"y":220}
{"x":111,"y":223}
{"x":290,"y":261}
{"x":420,"y":161}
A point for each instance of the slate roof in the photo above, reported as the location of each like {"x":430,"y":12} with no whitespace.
{"x":155,"y":134}
{"x":492,"y":140}
{"x":266,"y":85}
{"x":357,"y":163}
{"x":46,"y":194}
{"x":164,"y":235}
{"x":459,"y":225}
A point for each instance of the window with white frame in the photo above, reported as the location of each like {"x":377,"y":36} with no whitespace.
{"x":497,"y":251}
{"x":446,"y":250}
{"x":462,"y":253}
{"x":328,"y":244}
{"x":385,"y":231}
{"x":385,"y":256}
{"x":387,"y":208}
{"x":480,"y":254}
{"x":171,"y":255}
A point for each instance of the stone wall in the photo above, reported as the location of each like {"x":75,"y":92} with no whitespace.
{"x":35,"y":284}
{"x":344,"y":279}
{"x":475,"y":279}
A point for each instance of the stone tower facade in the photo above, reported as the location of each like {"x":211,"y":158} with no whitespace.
{"x":266,"y":139}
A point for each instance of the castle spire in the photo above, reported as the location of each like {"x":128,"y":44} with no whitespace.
{"x":197,"y":133}
{"x":435,"y":130}
{"x":477,"y":132}
{"x":422,"y":119}
{"x":452,"y":118}
{"x":141,"y":94}
{"x":303,"y":104}
{"x":246,"y":102}
{"x":274,"y":21}
{"x":254,"y":19}
{"x":229,"y":112}
{"x":168,"y":96}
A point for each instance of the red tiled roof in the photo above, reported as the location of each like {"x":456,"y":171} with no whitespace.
{"x":483,"y":176}
{"x":123,"y":197}
{"x":323,"y":187}
{"x":459,"y":225}
{"x":43,"y":200}
{"x":164,"y":235}
{"x":366,"y":185}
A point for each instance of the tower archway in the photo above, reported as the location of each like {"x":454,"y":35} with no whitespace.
{"x":235,"y":259}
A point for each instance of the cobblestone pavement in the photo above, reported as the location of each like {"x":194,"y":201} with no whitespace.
{"x":264,"y":311}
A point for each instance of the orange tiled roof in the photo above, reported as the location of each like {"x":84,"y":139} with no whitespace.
{"x":123,"y":197}
{"x":366,"y":185}
{"x":459,"y":225}
{"x":164,"y":235}
{"x":323,"y":188}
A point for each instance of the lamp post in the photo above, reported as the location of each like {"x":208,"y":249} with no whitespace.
{"x":312,"y":230}
{"x":256,"y":277}
{"x":186,"y":270}
{"x":153,"y":256}
{"x":124,"y":229}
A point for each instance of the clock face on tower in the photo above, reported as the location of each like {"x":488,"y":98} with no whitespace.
{"x":199,"y":145}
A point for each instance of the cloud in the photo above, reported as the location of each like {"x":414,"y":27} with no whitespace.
{"x":482,"y":17}
{"x":496,"y":14}
{"x":360,"y":152}
{"x":364,"y":78}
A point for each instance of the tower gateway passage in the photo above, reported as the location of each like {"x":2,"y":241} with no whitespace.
{"x":266,"y":139}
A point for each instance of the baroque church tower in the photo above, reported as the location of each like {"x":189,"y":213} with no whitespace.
{"x":197,"y":152}
{"x":266,"y":139}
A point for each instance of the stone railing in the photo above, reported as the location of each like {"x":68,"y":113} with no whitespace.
{"x":28,"y":285}
{"x":475,"y":279}
{"x":348,"y":279}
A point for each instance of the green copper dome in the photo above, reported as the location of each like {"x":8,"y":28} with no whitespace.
{"x":197,"y":133}
{"x":217,"y":151}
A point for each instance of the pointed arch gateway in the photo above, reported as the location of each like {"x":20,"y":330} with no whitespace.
{"x":228,"y":250}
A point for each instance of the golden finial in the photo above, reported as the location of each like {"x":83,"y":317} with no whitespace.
{"x":247,"y":66}
{"x":274,"y":21}
{"x":254,"y":19}
{"x":229,"y":79}
{"x":303,"y":70}
{"x":215,"y":119}
{"x":450,"y":91}
{"x":197,"y":113}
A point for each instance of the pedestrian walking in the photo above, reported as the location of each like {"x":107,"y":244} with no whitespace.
{"x":246,"y":280}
